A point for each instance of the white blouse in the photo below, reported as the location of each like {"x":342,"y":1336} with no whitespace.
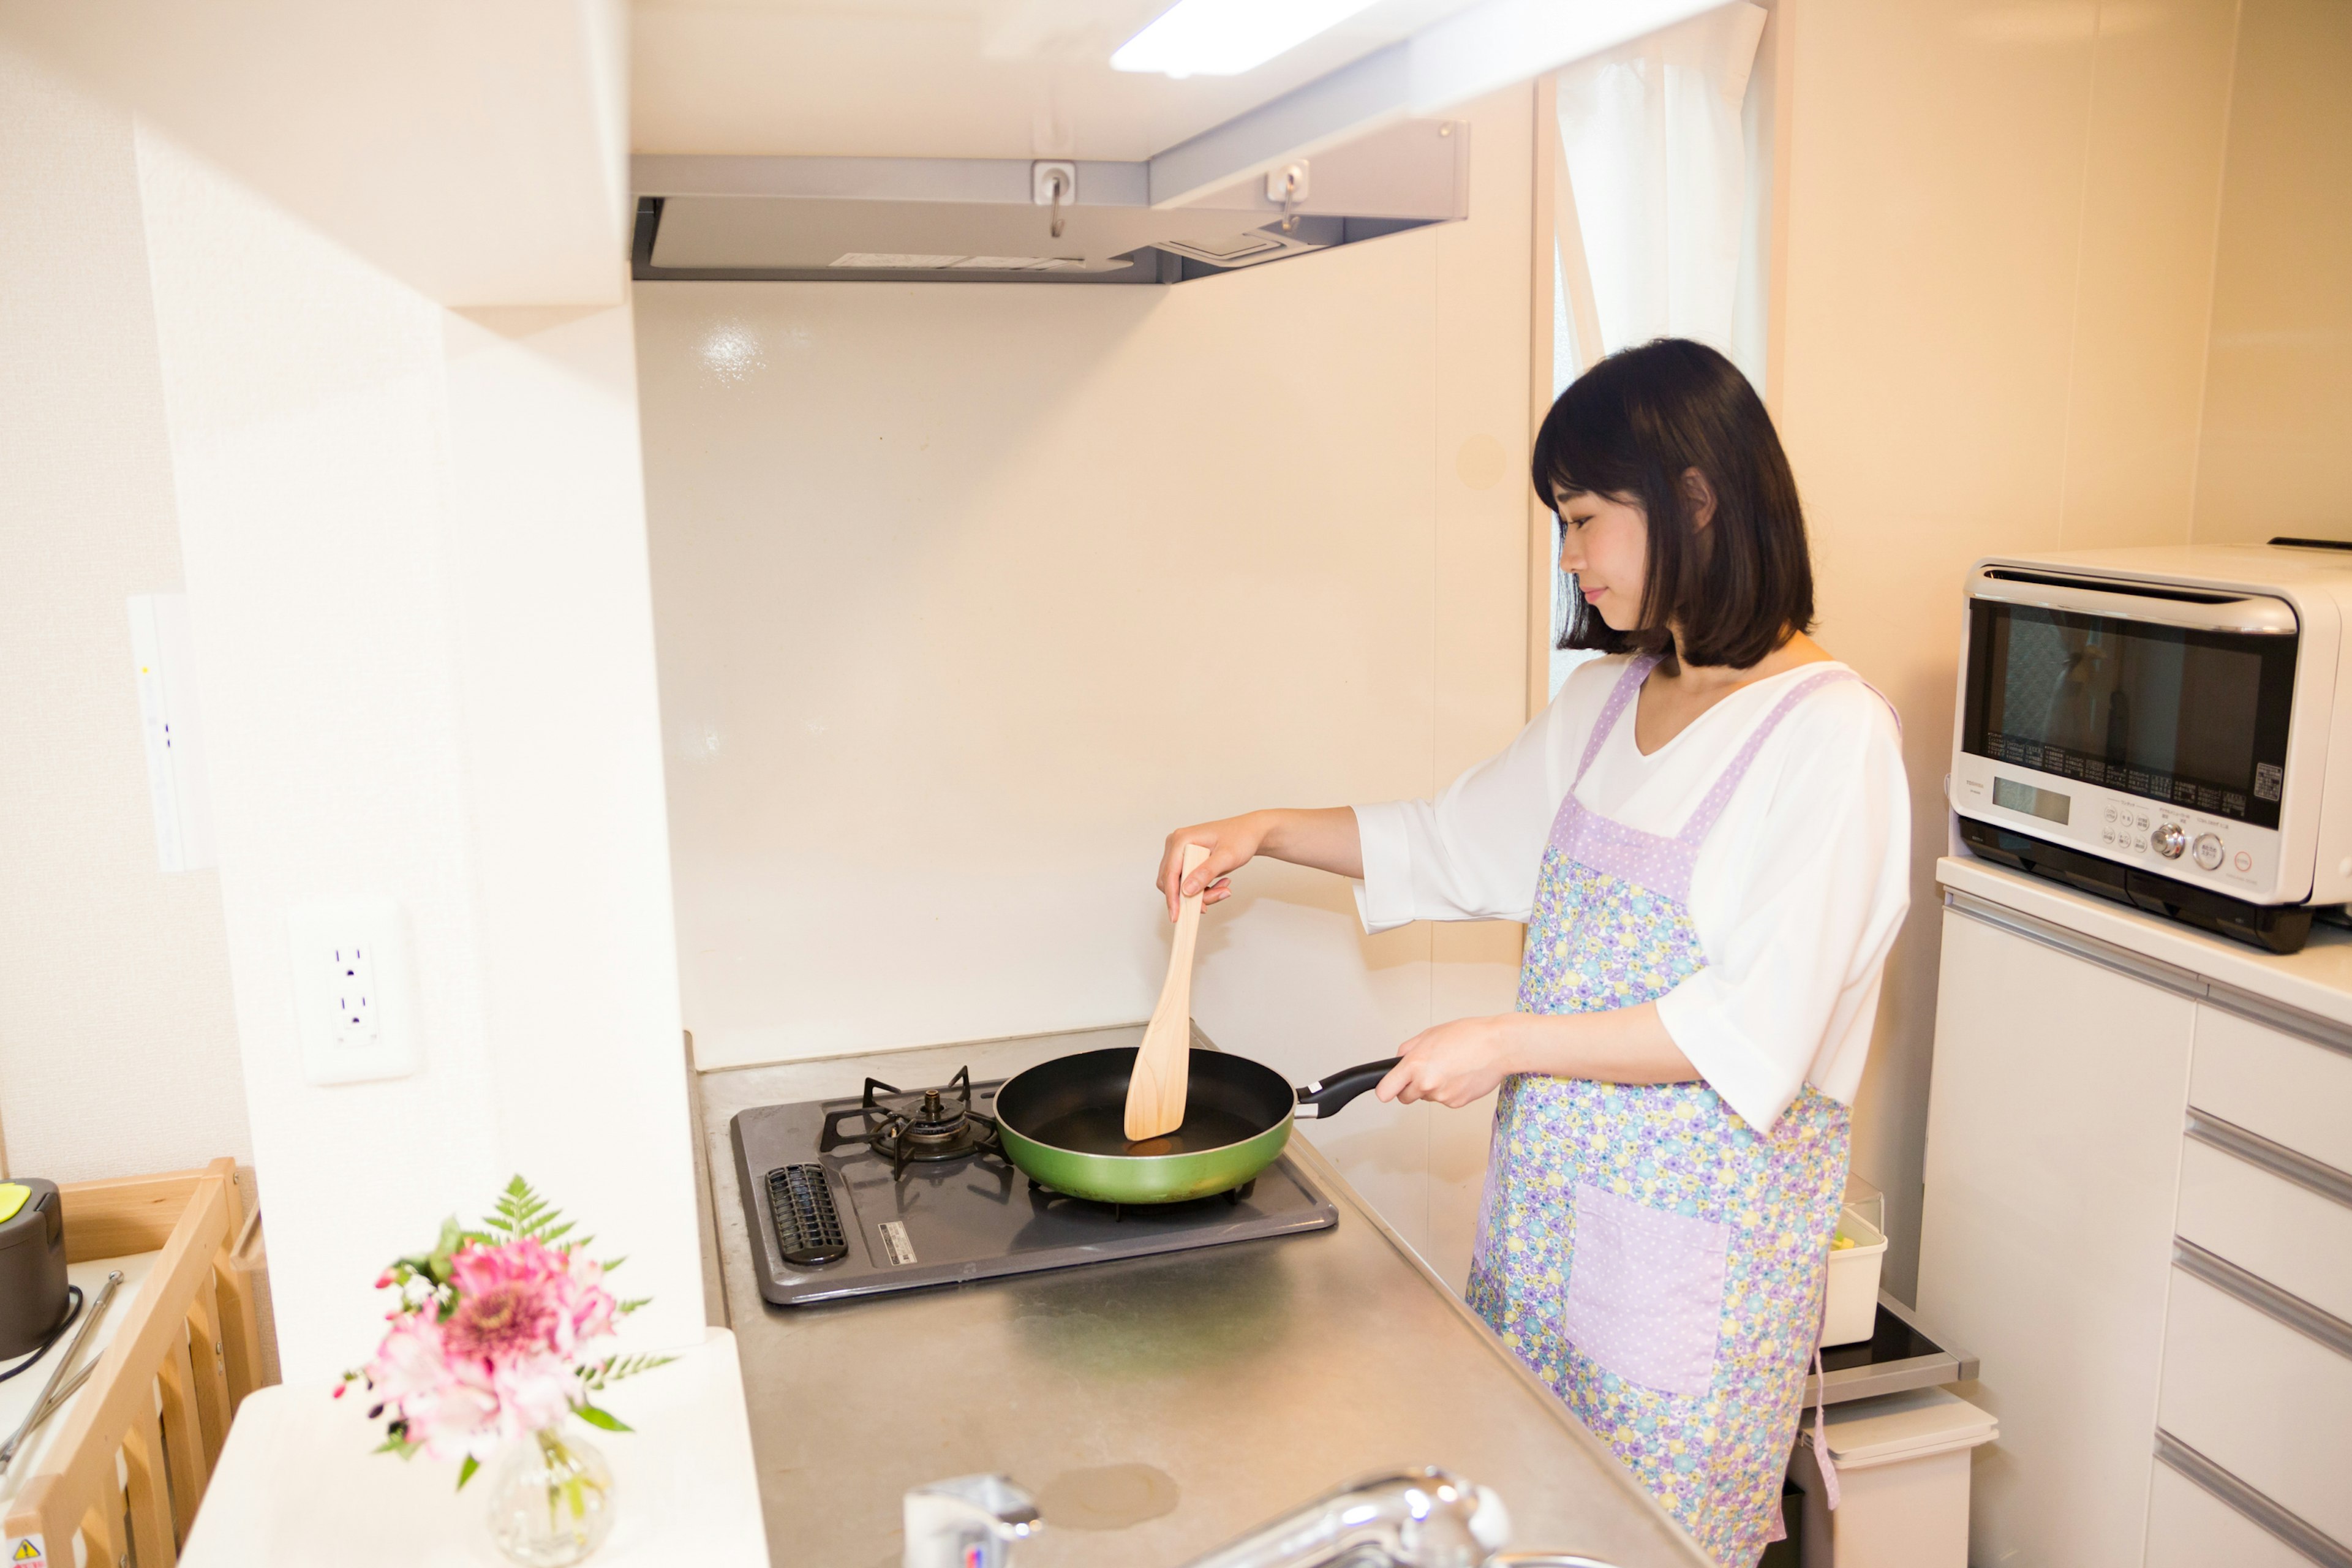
{"x":1798,"y":890}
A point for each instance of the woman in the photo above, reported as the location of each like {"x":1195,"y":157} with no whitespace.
{"x":1705,"y":832}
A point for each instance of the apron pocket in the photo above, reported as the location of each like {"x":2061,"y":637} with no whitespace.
{"x":1644,"y":1296}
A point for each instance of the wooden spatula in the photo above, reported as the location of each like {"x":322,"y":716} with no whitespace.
{"x":1163,"y":1065}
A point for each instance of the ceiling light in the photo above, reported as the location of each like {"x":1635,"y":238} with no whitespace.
{"x":1226,"y":37}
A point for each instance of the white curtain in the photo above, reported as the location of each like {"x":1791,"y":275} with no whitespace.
{"x":1652,"y":213}
{"x":1654,"y":216}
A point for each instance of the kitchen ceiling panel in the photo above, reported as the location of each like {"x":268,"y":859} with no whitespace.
{"x":934,"y":79}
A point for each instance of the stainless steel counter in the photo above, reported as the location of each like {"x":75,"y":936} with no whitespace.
{"x":1252,"y":1375}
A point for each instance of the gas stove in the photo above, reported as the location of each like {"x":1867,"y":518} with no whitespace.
{"x":899,"y":1189}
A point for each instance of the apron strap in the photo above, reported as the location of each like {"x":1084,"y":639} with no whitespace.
{"x":1820,"y":1435}
{"x":1628,"y":687}
{"x":1711,"y":806}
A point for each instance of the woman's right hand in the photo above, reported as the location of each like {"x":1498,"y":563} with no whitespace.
{"x":1232,"y":843}
{"x":1325,"y":838}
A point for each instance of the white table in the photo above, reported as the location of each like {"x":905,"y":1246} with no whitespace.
{"x":297,"y":1484}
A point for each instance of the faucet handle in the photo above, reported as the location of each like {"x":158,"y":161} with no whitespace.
{"x":1490,"y":1522}
{"x":970,"y":1521}
{"x":1420,"y":1517}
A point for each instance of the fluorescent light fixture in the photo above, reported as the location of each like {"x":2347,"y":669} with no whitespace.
{"x":1226,"y":37}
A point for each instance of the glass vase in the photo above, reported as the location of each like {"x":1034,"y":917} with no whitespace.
{"x":550,"y":1500}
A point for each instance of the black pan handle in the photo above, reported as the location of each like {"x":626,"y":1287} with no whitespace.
{"x":1324,"y":1097}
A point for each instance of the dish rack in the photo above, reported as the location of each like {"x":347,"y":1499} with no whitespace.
{"x":140,"y":1442}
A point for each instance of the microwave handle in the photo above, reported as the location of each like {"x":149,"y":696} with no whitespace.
{"x":2250,"y":616}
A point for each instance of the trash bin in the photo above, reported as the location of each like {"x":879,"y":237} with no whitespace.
{"x":1902,"y":1482}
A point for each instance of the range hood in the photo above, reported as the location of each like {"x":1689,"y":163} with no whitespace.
{"x":1003,"y":220}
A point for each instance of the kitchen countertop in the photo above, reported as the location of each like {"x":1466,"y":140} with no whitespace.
{"x":1254,"y":1376}
{"x":2317,"y":982}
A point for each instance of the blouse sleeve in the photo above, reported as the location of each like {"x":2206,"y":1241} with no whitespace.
{"x":1819,"y":885}
{"x":1475,"y":851}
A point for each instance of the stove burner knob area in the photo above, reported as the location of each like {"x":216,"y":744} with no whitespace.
{"x":2208,"y":850}
{"x":808,"y":1226}
{"x":2169,"y":840}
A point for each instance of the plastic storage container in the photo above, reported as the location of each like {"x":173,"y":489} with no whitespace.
{"x":1867,"y":1201}
{"x":1902,"y":1482}
{"x":1852,"y":1313}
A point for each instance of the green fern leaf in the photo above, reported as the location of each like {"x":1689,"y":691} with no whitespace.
{"x":636,"y":1365}
{"x":523,"y":1215}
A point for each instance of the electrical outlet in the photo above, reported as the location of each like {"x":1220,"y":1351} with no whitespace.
{"x":351,"y":991}
{"x":351,"y":970}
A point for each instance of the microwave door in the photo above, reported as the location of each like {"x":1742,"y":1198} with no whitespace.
{"x":2173,"y":714}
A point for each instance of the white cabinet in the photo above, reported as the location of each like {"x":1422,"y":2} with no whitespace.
{"x":2291,"y":1091}
{"x":2290,"y":1236}
{"x":2188,"y":1527}
{"x":2268,"y":1404}
{"x":2138,"y":1216}
{"x":2053,"y":1151}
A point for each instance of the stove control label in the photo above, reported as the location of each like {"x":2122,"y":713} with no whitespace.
{"x":895,"y":1242}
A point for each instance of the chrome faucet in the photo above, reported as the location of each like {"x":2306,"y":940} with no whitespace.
{"x":970,"y":1521}
{"x":1421,"y":1517}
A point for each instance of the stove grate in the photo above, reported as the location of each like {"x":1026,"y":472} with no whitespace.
{"x":808,"y":1227}
{"x":932,"y":1130}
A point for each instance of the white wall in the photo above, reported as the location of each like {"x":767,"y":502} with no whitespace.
{"x":1992,"y":281}
{"x":118,"y":1046}
{"x":478,"y":153}
{"x":2272,"y":453}
{"x":416,"y":571}
{"x":968,"y":593}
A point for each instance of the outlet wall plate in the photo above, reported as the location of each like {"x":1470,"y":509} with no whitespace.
{"x":355,"y":1004}
{"x":171,"y":720}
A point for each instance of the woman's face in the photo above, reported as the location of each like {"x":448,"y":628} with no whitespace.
{"x":1606,"y":542}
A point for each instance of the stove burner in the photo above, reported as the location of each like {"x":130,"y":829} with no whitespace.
{"x":936,"y":1127}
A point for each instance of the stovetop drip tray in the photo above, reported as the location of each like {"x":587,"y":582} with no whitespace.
{"x":897,"y":1190}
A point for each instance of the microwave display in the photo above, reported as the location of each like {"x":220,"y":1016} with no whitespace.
{"x":2195,"y":718}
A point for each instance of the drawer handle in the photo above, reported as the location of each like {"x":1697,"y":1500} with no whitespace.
{"x":2263,"y":1296}
{"x":2292,"y":1528}
{"x":2287,"y":1165}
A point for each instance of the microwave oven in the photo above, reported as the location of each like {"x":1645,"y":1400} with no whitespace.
{"x":2171,"y":727}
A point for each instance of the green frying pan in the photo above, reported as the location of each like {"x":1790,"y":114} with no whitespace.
{"x":1063,"y":1124}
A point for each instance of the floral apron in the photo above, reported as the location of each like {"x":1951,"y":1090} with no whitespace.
{"x":1652,"y":1257}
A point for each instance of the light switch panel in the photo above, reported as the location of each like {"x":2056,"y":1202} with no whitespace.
{"x":353,"y":996}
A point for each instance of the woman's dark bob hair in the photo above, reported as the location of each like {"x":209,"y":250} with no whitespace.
{"x":1629,"y":429}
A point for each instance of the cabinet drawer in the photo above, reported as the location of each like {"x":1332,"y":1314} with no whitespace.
{"x":2297,"y":1238}
{"x":2289,"y":1089}
{"x":2265,"y":1401}
{"x":2188,"y":1527}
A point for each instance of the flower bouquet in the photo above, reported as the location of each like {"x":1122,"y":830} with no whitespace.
{"x":497,"y":1337}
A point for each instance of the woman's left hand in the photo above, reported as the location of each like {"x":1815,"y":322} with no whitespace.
{"x":1454,"y":1063}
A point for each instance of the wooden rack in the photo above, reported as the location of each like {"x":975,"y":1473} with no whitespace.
{"x":141,"y":1439}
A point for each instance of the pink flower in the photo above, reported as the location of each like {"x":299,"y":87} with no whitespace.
{"x":521,"y":1297}
{"x":500,"y":1364}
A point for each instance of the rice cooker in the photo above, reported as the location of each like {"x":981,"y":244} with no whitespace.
{"x":32,"y":1300}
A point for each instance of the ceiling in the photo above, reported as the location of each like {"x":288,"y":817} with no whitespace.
{"x":945,"y":78}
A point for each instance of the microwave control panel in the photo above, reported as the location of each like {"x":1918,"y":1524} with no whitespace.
{"x":2228,"y":856}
